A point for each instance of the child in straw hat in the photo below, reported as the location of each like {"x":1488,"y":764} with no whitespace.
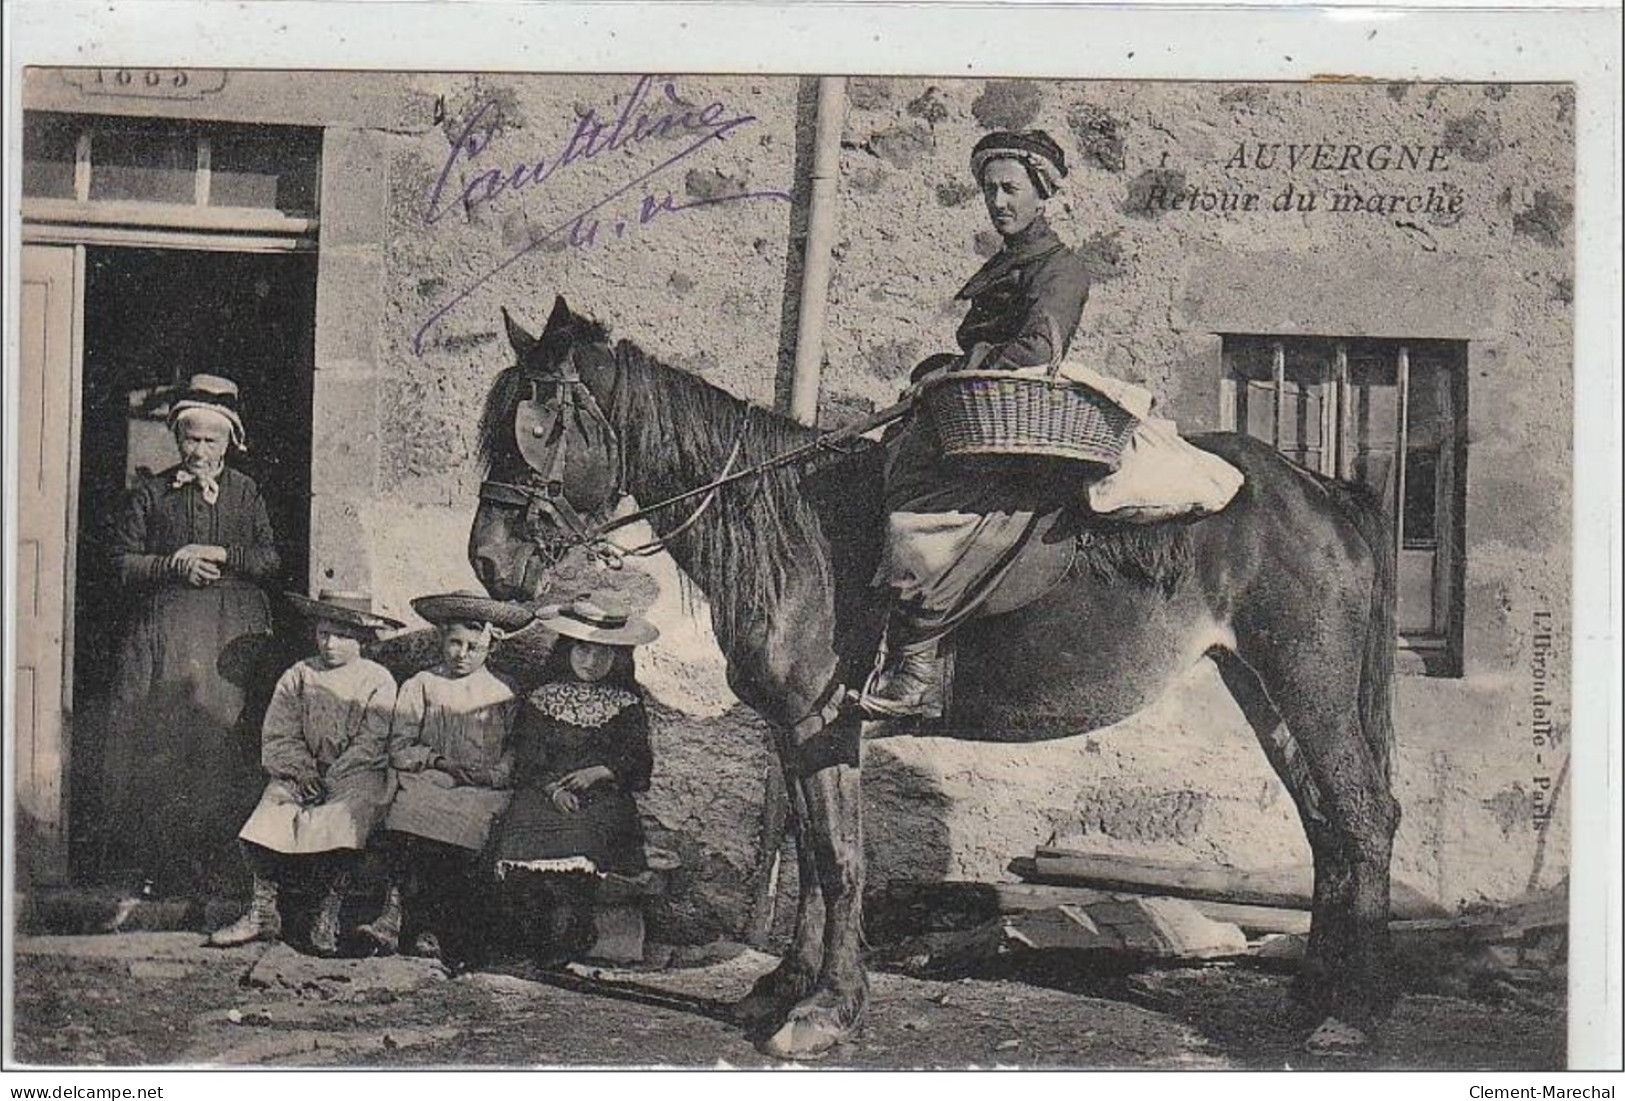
{"x":449,"y":745}
{"x":323,"y":743}
{"x":582,"y":750}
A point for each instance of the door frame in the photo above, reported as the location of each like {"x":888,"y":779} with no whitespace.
{"x":80,"y":236}
{"x":49,"y":862}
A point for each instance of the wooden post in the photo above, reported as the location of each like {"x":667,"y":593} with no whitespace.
{"x":1345,"y":415}
{"x":1401,"y":446}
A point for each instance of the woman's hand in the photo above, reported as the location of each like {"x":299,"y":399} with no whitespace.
{"x":200,"y":552}
{"x":564,"y":799}
{"x":583,"y":778}
{"x":312,"y":792}
{"x":195,"y":571}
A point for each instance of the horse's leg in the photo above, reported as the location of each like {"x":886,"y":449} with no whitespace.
{"x":834,"y":828}
{"x":1311,"y":673}
{"x":1283,"y":753}
{"x":797,"y":972}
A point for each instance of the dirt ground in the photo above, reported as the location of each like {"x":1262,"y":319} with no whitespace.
{"x":162,"y":998}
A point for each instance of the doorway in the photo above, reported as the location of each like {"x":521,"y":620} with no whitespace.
{"x":152,"y":318}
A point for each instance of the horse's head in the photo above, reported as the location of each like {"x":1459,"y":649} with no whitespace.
{"x":552,"y":458}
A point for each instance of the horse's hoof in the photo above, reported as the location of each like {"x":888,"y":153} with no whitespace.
{"x":806,"y":1034}
{"x":771,"y":997}
{"x":1334,"y":1037}
{"x":756,"y":1008}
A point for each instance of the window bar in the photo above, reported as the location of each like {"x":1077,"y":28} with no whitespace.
{"x":1403,"y":372}
{"x":1232,"y":393}
{"x":81,"y":167}
{"x":1343,"y":414}
{"x":204,"y":179}
{"x":1278,"y":376}
{"x":1325,"y":389}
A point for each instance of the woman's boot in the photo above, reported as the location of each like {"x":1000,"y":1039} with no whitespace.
{"x":384,"y":931}
{"x":261,"y":922}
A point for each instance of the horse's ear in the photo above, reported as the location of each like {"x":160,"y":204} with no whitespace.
{"x":561,"y":318}
{"x":523,"y":343}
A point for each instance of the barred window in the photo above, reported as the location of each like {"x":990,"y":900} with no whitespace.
{"x":104,"y":160}
{"x":1392,"y":415}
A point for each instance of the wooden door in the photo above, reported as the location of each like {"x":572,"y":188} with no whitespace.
{"x":47,"y":436}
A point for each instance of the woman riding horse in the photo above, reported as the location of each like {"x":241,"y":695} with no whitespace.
{"x":950,"y":531}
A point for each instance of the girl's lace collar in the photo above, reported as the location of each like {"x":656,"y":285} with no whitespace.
{"x":586,"y":705}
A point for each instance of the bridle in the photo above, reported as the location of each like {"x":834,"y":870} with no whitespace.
{"x":549,"y":511}
{"x":547,"y":508}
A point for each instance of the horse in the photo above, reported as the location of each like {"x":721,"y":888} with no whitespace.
{"x":1289,"y":590}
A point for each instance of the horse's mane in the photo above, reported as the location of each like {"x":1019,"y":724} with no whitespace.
{"x":678,"y":432}
{"x":497,"y":448}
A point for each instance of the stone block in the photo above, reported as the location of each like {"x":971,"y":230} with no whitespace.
{"x":345,"y":434}
{"x":346,"y":980}
{"x":350,"y":294}
{"x":340,"y":545}
{"x":619,"y":929}
{"x":355,"y":188}
{"x":1448,"y":298}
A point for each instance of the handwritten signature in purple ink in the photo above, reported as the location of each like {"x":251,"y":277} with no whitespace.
{"x":591,"y":138}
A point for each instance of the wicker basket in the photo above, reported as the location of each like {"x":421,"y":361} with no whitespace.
{"x":999,"y":413}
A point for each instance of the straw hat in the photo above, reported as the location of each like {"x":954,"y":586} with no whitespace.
{"x":468,"y":606}
{"x":591,"y":621}
{"x":347,"y":608}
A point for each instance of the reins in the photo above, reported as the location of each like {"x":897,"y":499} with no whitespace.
{"x":548,"y":498}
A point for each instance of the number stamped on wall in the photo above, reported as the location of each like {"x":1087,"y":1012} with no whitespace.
{"x":148,"y":83}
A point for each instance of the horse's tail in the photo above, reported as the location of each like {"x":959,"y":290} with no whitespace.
{"x":1370,"y":518}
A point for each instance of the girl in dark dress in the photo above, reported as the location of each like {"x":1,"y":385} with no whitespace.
{"x":581,"y":750}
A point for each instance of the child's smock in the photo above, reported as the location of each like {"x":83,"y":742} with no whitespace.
{"x":466,"y":720}
{"x":330,"y":725}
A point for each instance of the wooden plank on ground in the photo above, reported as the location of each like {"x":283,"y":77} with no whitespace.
{"x":903,"y":908}
{"x":1287,"y":888}
{"x":1016,"y":897}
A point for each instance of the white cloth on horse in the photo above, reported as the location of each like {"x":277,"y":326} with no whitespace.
{"x":1136,"y":399}
{"x":1160,"y":475}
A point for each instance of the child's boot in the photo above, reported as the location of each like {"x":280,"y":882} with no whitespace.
{"x":261,"y":922}
{"x":384,"y":931}
{"x":324,"y":930}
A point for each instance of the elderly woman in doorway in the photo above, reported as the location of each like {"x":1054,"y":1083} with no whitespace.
{"x":192,"y":549}
{"x":952,"y":530}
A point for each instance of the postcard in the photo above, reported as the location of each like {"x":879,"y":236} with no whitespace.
{"x":887,"y":569}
